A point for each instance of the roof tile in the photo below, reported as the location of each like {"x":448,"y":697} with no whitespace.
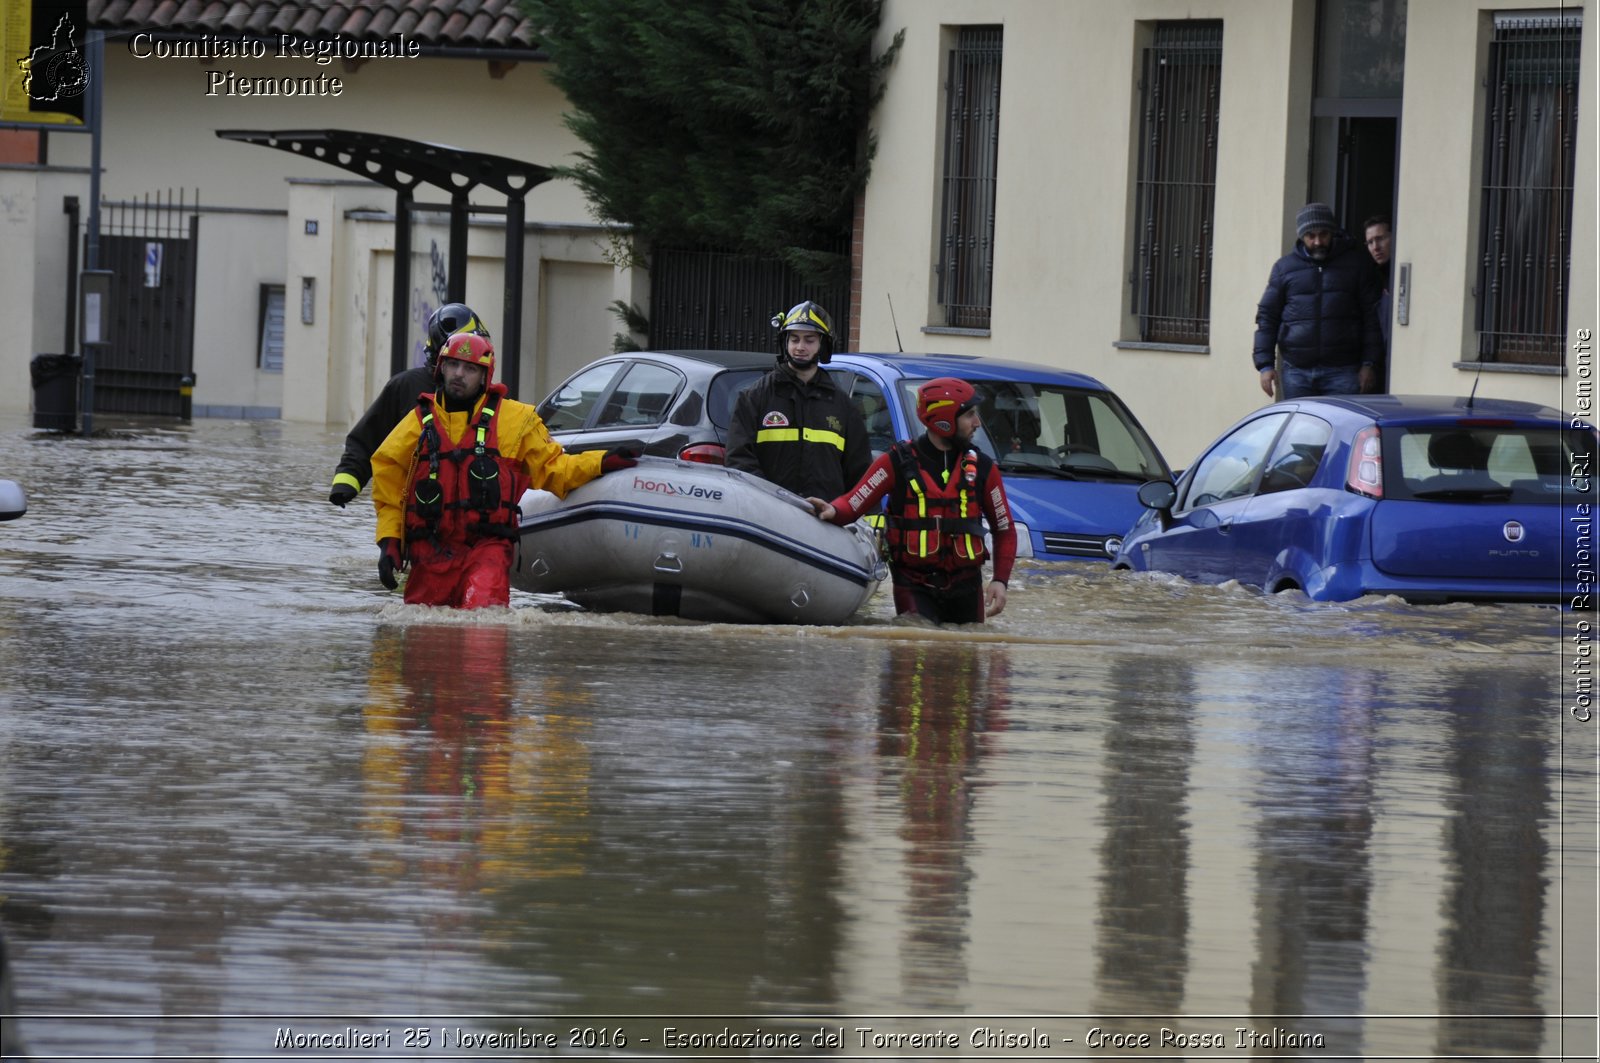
{"x":439,"y":23}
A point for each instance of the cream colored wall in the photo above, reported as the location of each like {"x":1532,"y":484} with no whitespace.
{"x":161,"y":127}
{"x":1068,"y":129}
{"x":160,"y":134}
{"x":33,"y":270}
{"x":572,"y":340}
{"x":1437,"y":213}
{"x":227,"y":317}
{"x":335,"y":366}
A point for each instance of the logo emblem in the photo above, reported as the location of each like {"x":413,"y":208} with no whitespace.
{"x":775,"y":419}
{"x":1514,"y":532}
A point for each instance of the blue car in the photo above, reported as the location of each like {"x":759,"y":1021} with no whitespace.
{"x":1430,"y":498}
{"x":1072,"y":454}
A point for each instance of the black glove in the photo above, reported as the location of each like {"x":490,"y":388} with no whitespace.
{"x":389,"y":560}
{"x":341,"y":494}
{"x":620,"y":458}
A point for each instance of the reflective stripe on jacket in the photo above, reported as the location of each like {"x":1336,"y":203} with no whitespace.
{"x":935,"y":513}
{"x":808,"y":438}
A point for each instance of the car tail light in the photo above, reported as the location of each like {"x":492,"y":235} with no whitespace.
{"x":705,"y":453}
{"x":1366,"y":464}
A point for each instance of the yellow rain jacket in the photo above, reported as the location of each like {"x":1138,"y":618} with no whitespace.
{"x":523,"y":437}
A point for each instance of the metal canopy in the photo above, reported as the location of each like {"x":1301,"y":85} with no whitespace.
{"x":403,"y":164}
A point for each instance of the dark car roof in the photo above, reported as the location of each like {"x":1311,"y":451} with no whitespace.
{"x":965,"y":365}
{"x":1399,"y":408}
{"x":725,"y":359}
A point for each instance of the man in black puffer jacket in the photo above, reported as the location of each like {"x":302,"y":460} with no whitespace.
{"x":1318,"y":312}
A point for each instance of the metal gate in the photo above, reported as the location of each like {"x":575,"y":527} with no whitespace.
{"x":716,"y":300}
{"x":150,"y":247}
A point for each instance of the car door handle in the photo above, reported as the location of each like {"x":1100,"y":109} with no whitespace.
{"x":1224,"y":527}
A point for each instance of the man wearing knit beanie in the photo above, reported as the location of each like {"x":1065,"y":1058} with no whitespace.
{"x":1319,"y":314}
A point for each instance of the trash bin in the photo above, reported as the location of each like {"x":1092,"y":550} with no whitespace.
{"x":55,"y":391}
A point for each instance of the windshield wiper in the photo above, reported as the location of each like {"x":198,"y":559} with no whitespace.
{"x":1485,"y":494}
{"x":1013,"y":465}
{"x":1096,"y":473}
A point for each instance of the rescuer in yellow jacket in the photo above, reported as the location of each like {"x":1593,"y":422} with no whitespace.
{"x":447,"y":480}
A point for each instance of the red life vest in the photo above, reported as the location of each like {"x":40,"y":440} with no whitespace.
{"x":936,"y":522}
{"x":462,"y":493}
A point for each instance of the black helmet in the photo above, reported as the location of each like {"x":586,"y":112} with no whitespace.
{"x":804,"y":317}
{"x":448,"y":320}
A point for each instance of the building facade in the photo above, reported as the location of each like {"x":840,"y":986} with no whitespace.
{"x":293,"y":258}
{"x":1105,"y":186}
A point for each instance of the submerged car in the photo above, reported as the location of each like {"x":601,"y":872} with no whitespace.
{"x":674,"y":404}
{"x":1072,"y":454}
{"x":1430,"y":498}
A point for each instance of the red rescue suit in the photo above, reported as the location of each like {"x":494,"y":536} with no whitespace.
{"x":447,"y":483}
{"x":939,"y":503}
{"x":461,"y":515}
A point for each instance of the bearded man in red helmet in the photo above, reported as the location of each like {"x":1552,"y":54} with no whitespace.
{"x":447,"y":480}
{"x":942,"y":491}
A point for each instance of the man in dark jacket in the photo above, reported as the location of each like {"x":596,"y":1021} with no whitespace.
{"x":397,"y":399}
{"x":1318,"y":313}
{"x":794,"y":426}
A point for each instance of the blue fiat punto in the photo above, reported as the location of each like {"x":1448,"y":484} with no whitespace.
{"x":1429,"y":498}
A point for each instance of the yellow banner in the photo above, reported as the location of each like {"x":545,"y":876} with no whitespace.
{"x":44,"y":70}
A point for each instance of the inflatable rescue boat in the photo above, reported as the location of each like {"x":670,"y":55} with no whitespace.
{"x":702,"y":542}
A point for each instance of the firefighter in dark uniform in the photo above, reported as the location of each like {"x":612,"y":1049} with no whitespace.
{"x":397,"y":399}
{"x":794,"y":426}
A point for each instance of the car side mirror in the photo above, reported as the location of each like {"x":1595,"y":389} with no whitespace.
{"x":1159,"y":495}
{"x":13,"y":503}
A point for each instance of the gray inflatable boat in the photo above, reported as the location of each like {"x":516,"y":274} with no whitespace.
{"x":702,"y":542}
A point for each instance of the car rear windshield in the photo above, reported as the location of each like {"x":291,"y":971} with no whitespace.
{"x":725,"y":388}
{"x":1489,"y":462}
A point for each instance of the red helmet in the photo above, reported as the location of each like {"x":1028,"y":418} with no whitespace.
{"x":941,"y":401}
{"x":472,"y":348}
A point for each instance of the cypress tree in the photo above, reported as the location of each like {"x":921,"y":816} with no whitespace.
{"x":734,"y":124}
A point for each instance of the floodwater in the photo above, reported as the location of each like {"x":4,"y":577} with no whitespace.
{"x":252,"y":806}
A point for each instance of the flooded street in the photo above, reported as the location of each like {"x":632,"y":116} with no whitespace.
{"x":244,"y":790}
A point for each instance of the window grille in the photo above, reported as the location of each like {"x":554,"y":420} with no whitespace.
{"x":269,"y":349}
{"x":971,"y":142}
{"x":1177,"y":182}
{"x":1525,"y":236}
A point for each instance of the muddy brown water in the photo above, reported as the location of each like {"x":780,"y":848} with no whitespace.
{"x":243,"y":790}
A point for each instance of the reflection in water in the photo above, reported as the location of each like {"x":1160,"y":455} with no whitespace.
{"x":938,"y":701}
{"x":474,"y":790}
{"x":698,"y":864}
{"x":1142,"y":933}
{"x":1313,"y":856}
{"x":1494,"y":903}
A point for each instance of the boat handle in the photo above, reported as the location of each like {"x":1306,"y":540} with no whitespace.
{"x":669,"y":563}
